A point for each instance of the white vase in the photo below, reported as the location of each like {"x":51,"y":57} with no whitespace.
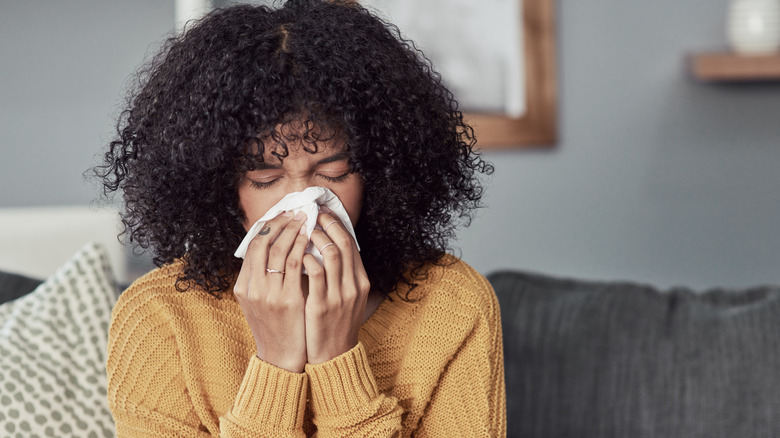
{"x":754,"y":26}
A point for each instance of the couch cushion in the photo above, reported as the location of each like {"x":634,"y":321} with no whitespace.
{"x":52,"y":352}
{"x":598,"y":359}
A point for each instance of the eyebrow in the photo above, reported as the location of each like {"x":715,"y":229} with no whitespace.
{"x":331,"y":159}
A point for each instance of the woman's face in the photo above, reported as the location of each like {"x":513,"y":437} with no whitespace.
{"x":262,"y":188}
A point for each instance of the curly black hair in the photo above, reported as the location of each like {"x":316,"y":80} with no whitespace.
{"x":193,"y":121}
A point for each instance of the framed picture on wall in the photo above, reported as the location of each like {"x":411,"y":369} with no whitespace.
{"x":496,"y":56}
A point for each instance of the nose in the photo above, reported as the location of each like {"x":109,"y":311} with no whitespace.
{"x":300,"y":184}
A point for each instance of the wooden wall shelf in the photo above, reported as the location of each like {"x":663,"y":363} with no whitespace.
{"x":727,"y":66}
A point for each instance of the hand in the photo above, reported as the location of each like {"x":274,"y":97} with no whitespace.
{"x":273,"y":302}
{"x":337,"y":292}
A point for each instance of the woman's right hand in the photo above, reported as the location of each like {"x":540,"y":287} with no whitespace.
{"x":273,"y":302}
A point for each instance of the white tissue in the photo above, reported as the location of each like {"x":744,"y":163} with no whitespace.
{"x":309,"y":202}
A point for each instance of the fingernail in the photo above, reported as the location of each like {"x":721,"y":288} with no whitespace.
{"x":287,"y":214}
{"x":300,"y":215}
{"x":325,"y":209}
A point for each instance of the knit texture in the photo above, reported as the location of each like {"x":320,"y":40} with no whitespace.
{"x":184,"y":364}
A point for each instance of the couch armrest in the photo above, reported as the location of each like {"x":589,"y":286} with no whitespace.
{"x":13,"y":286}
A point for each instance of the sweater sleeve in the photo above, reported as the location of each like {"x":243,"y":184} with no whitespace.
{"x":270,"y":403}
{"x":345,"y":400}
{"x":470,"y":399}
{"x":148,"y":393}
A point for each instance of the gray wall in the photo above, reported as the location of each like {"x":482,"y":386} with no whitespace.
{"x":64,"y":65}
{"x":656,"y":178}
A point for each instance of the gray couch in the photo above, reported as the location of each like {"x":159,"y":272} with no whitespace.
{"x":598,"y":359}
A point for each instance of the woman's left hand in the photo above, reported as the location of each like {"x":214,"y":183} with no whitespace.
{"x":337,"y":292}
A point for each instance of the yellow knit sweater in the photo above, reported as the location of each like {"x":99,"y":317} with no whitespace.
{"x":184,"y":364}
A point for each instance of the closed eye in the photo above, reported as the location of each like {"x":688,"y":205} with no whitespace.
{"x":263,"y":184}
{"x":335,"y":179}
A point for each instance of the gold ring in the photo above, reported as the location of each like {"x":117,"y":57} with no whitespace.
{"x":328,"y":226}
{"x":273,"y":271}
{"x":325,"y":246}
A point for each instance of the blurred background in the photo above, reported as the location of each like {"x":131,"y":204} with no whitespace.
{"x":656,"y":177}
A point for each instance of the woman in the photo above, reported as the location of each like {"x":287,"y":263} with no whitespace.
{"x":247,"y":106}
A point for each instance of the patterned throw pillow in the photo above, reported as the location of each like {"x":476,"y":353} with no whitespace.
{"x":52,"y":352}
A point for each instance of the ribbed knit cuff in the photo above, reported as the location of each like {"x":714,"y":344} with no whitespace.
{"x":342,"y":384}
{"x":271,"y":395}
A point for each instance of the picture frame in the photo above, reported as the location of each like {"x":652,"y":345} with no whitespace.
{"x":535,"y":124}
{"x":538,"y":126}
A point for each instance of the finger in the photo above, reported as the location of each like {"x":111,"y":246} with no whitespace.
{"x":341,"y":237}
{"x":328,"y":221}
{"x":354,"y":265}
{"x":316,"y":273}
{"x":257,"y":252}
{"x":281,"y":247}
{"x":253,"y":266}
{"x":274,"y":271}
{"x":364,"y":285}
{"x":331,"y":259}
{"x":294,"y":264}
{"x":241,"y":287}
